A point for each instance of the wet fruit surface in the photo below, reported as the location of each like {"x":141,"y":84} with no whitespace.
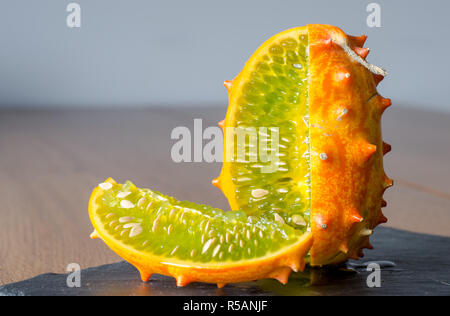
{"x":270,"y":100}
{"x":159,"y":234}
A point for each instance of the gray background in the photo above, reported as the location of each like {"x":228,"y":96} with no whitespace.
{"x":144,"y":53}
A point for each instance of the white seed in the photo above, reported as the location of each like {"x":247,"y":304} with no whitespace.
{"x":278,"y":218}
{"x":150,"y":205}
{"x":110,"y":215}
{"x":129,"y":225}
{"x":227,"y":237}
{"x":145,"y":243}
{"x":323,"y":156}
{"x":136,"y":230}
{"x":347,"y":75}
{"x":230,"y":249}
{"x":261,"y":234}
{"x":122,"y":195}
{"x":216,"y":250}
{"x":141,"y":202}
{"x":249,"y":236}
{"x":298,"y":220}
{"x":203,"y":238}
{"x":241,"y":243}
{"x":112,"y":223}
{"x":298,"y":66}
{"x":174,"y":250}
{"x":207,"y":227}
{"x":259,"y":193}
{"x":193,"y":253}
{"x":155,"y":225}
{"x":208,"y":244}
{"x":125,"y":219}
{"x":222,"y":239}
{"x":126,"y":204}
{"x":105,"y":186}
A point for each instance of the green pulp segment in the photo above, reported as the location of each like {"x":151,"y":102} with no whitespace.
{"x":161,"y":225}
{"x":276,"y":96}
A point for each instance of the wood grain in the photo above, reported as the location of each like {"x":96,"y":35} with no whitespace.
{"x":51,"y":160}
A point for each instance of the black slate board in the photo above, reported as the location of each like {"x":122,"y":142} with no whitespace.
{"x":422,"y":267}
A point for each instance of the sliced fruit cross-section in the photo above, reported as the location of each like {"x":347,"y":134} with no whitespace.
{"x":158,"y":234}
{"x":271,"y":96}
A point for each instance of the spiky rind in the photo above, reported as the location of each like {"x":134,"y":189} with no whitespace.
{"x":348,"y":189}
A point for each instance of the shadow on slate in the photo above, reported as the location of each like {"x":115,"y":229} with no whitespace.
{"x":422,"y":267}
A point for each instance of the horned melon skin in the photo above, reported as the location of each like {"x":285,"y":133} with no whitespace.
{"x":346,"y":147}
{"x":345,"y":118}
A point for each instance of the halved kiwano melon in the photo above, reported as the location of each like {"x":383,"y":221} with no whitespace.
{"x":191,"y":242}
{"x":309,"y":97}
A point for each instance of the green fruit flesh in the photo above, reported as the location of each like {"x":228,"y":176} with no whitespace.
{"x":276,"y":95}
{"x":160,"y":225}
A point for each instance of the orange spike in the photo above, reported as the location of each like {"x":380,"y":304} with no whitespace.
{"x":358,"y":40}
{"x":295,"y":265}
{"x":383,"y":203}
{"x":182,"y":281}
{"x":382,"y":219}
{"x":385,"y":103}
{"x":327,"y":41}
{"x":388,"y":182}
{"x":369,"y":150}
{"x":145,"y":277}
{"x":281,"y":274}
{"x":94,"y":235}
{"x":355,"y":217}
{"x":227,"y":84}
{"x":343,"y":247}
{"x":216,"y":182}
{"x":222,"y":124}
{"x":221,"y":285}
{"x":377,"y":78}
{"x":386,"y":148}
{"x":361,"y":51}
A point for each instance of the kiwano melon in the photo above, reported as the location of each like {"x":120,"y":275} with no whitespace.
{"x":318,"y":198}
{"x":158,"y":234}
{"x":312,"y":86}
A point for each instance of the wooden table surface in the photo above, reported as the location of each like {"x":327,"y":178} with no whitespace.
{"x":51,"y":160}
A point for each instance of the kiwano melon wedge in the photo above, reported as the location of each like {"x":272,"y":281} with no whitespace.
{"x":158,"y":234}
{"x":313,"y":86}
